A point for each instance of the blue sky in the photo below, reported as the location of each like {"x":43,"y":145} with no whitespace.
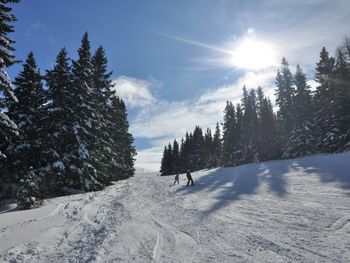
{"x":176,"y":62}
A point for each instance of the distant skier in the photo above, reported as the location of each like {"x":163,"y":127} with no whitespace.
{"x":189,"y":177}
{"x":176,"y":178}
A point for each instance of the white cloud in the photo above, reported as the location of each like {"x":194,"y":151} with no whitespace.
{"x":135,"y":92}
{"x":36,"y":26}
{"x":297,"y":30}
{"x":149,"y":159}
{"x":316,"y":23}
{"x":163,"y":121}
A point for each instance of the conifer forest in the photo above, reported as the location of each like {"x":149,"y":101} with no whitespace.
{"x":62,"y":131}
{"x":306,"y":121}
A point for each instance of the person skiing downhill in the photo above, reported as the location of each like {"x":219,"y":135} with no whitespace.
{"x":176,"y":178}
{"x":189,"y":178}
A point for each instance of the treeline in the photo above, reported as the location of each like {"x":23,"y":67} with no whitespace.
{"x":306,"y":122}
{"x":61,"y":132}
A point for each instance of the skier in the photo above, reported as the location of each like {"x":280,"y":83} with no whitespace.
{"x":189,"y":177}
{"x":176,"y":179}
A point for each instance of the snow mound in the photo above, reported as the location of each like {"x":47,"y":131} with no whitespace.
{"x":279,"y":211}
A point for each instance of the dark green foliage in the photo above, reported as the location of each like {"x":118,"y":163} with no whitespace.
{"x":326,"y":105}
{"x":249,"y":138}
{"x":167,"y":164}
{"x":25,"y":150}
{"x":176,"y":157}
{"x":216,"y":153}
{"x":57,"y":132}
{"x":229,"y":138}
{"x":75,"y":134}
{"x":266,"y":129}
{"x":122,"y":145}
{"x":8,"y":129}
{"x":28,"y":194}
{"x":302,"y":139}
{"x":284,"y":100}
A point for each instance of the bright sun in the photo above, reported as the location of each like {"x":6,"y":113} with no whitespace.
{"x":251,"y":53}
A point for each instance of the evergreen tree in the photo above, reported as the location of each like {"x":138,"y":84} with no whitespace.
{"x":197,"y":154}
{"x":229,"y":141}
{"x":342,"y":99}
{"x":163,"y":162}
{"x":249,"y":126}
{"x":8,"y":128}
{"x":176,"y":157}
{"x":328,"y":124}
{"x":185,"y":152}
{"x":81,"y":173}
{"x":217,"y":147}
{"x":26,"y":150}
{"x":28,"y":194}
{"x":208,"y":149}
{"x":110,"y":126}
{"x":284,"y":99}
{"x":267,"y":146}
{"x":123,"y":140}
{"x":57,"y":135}
{"x":167,"y":161}
{"x":301,"y":141}
{"x":238,"y":155}
{"x":182,"y":160}
{"x":105,"y":122}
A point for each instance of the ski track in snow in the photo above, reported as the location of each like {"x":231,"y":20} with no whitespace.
{"x":280,"y":211}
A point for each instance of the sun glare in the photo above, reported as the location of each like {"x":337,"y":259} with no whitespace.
{"x":253,"y":54}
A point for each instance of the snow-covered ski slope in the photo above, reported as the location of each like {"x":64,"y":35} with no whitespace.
{"x":279,"y":211}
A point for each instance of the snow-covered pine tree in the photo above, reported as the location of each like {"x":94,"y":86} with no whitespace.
{"x":123,"y":140}
{"x":328,"y":123}
{"x":229,"y":138}
{"x":267,"y":145}
{"x":105,"y":123}
{"x":167,"y":161}
{"x":163,"y":162}
{"x":284,"y":100}
{"x":346,"y":51}
{"x":26,"y":151}
{"x":182,"y":160}
{"x":217,"y":147}
{"x":81,"y":174}
{"x":57,"y":128}
{"x":176,"y":157}
{"x":238,"y":152}
{"x":302,"y":140}
{"x":8,"y":128}
{"x":197,"y":155}
{"x":249,"y":126}
{"x":342,"y":99}
{"x":28,"y":194}
{"x":208,"y":154}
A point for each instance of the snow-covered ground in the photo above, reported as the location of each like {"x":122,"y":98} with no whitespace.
{"x":279,"y":211}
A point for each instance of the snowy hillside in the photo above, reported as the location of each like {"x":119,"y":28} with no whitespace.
{"x":279,"y":211}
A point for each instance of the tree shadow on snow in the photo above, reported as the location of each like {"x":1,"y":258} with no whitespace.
{"x":336,"y":172}
{"x":228,"y":185}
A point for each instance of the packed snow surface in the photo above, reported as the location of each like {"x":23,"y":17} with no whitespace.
{"x":279,"y":211}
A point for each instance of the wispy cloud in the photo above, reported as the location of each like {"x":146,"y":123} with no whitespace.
{"x":36,"y":26}
{"x":164,"y":121}
{"x":135,"y":92}
{"x":149,"y":158}
{"x":296,"y":30}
